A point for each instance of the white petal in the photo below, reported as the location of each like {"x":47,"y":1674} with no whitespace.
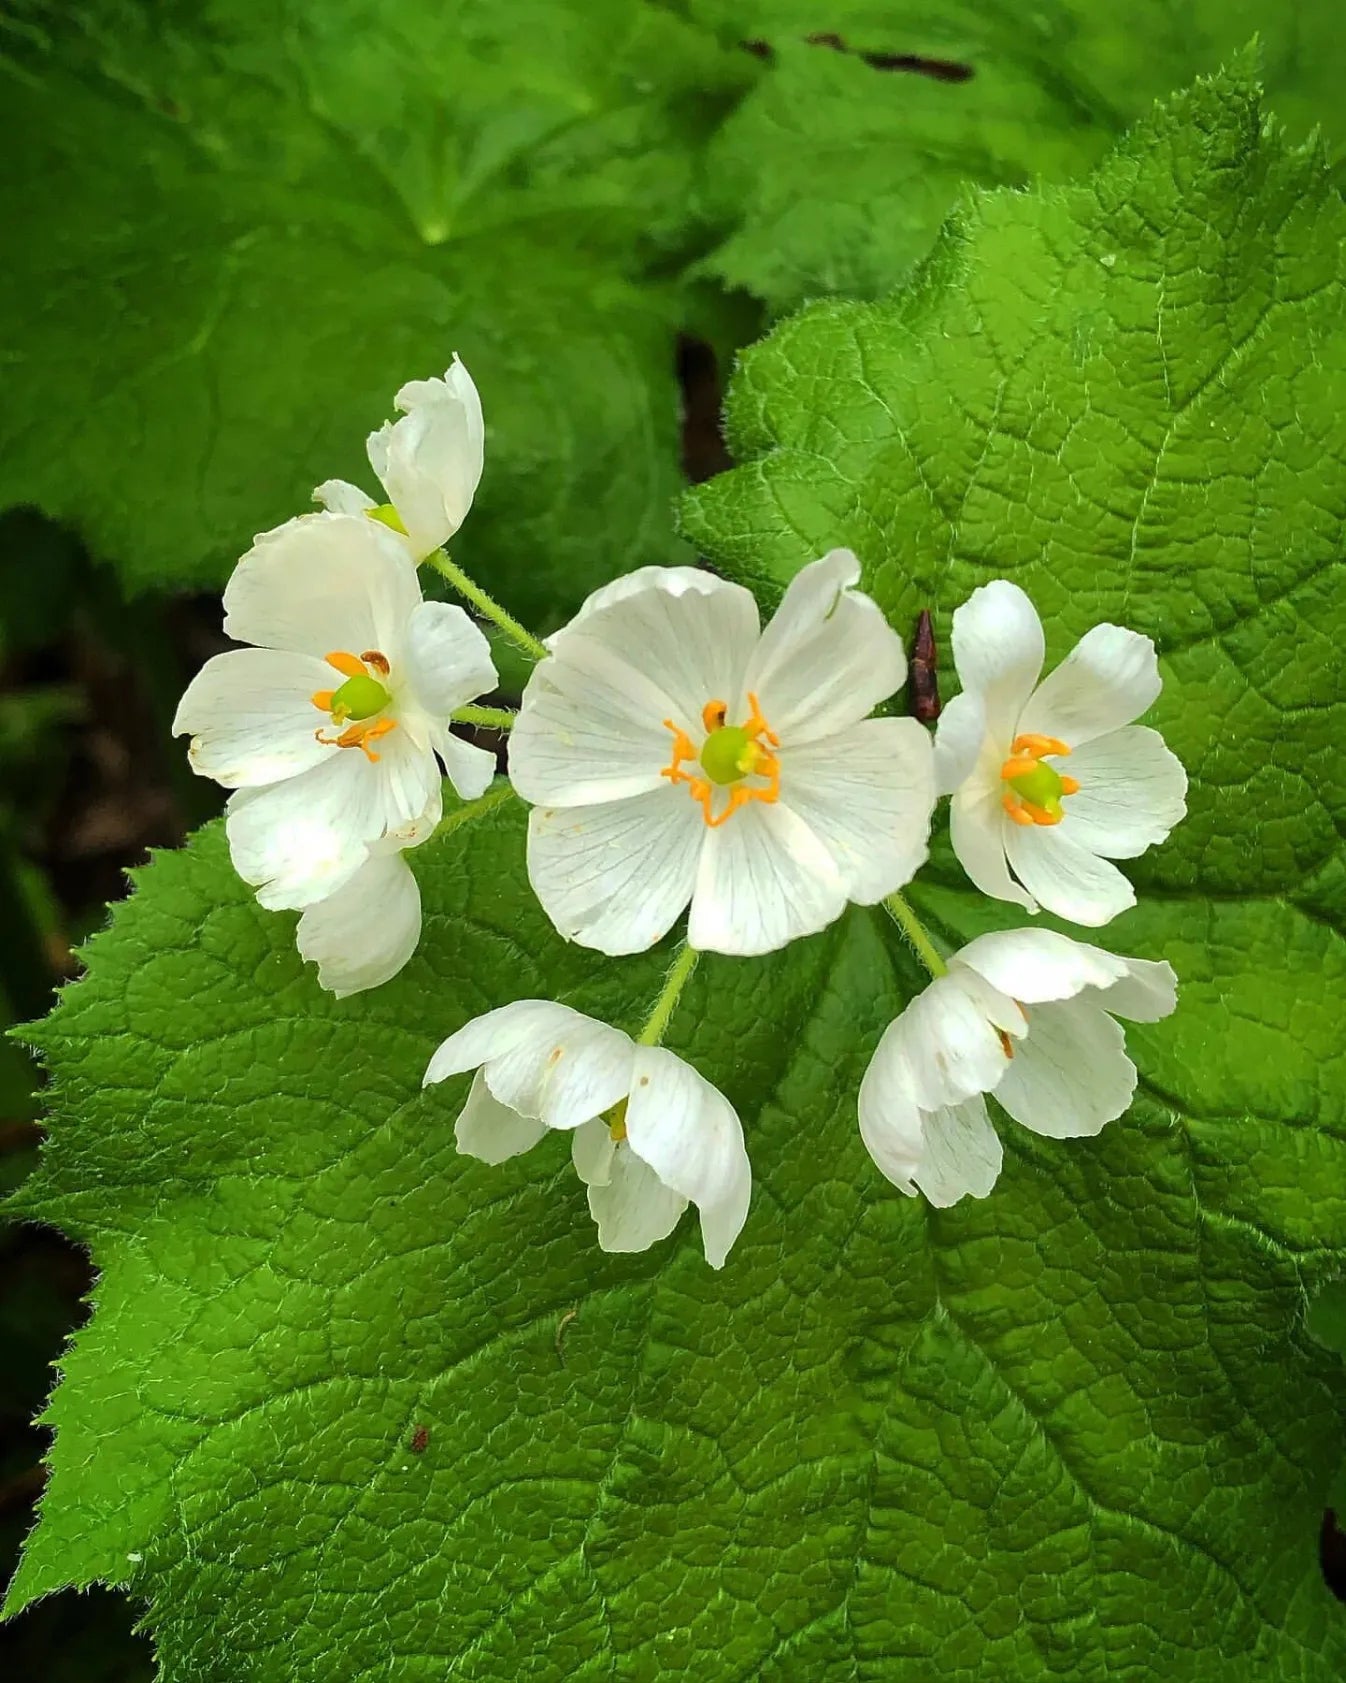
{"x":615,"y":877}
{"x":587,"y":740}
{"x":947,"y":1042}
{"x":448,"y":659}
{"x":362,"y":935}
{"x":962,"y":1154}
{"x":251,"y":716}
{"x":543,"y":1060}
{"x":660,"y":651}
{"x":471,"y":769}
{"x":676,"y":580}
{"x":977,"y":829}
{"x":949,"y":1152}
{"x":1034,"y":965}
{"x":828,"y":657}
{"x":339,"y":496}
{"x":1147,"y":992}
{"x":1133,"y":790}
{"x":322,"y":583}
{"x":763,"y":879}
{"x":1071,"y":1075}
{"x":1064,"y":877}
{"x":299,"y":841}
{"x":491,"y":1131}
{"x":690,"y":1135}
{"x":1109,"y":678}
{"x":998,"y":649}
{"x":592,"y":1149}
{"x":430,"y":461}
{"x":868,"y":795}
{"x":633,"y":1208}
{"x":960,"y":737}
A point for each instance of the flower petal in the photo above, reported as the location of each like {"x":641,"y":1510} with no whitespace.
{"x":495,"y":1034}
{"x":448,"y":658}
{"x":960,"y":737}
{"x":998,"y":649}
{"x":764,"y":878}
{"x":470,"y":768}
{"x":1065,"y":877}
{"x":339,"y":496}
{"x":1071,"y":1075}
{"x":491,"y":1131}
{"x":614,"y":877}
{"x":580,"y":743}
{"x":676,"y":580}
{"x":430,"y":461}
{"x":948,"y":1041}
{"x":1036,"y":965}
{"x":868,"y":795}
{"x":321,"y":583}
{"x":948,"y":1153}
{"x":362,"y":935}
{"x":298,"y":841}
{"x":251,"y":716}
{"x":690,"y":1135}
{"x":828,"y":657}
{"x":1108,"y":679}
{"x":977,"y":826}
{"x":633,"y":1207}
{"x":592,"y":1149}
{"x":1147,"y":992}
{"x":1133,"y":790}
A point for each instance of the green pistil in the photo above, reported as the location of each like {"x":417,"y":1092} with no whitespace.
{"x":387,"y":515}
{"x":359,"y":698}
{"x":728,"y":754}
{"x":1041,"y":787}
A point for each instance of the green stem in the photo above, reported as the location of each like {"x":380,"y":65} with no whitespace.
{"x":487,"y":605}
{"x":494,"y":718}
{"x":678,"y":976}
{"x":914,"y":930}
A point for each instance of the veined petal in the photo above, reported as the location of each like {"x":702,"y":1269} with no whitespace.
{"x":998,"y":648}
{"x":614,"y":877}
{"x":362,"y":935}
{"x":251,"y":716}
{"x":491,"y":1131}
{"x":868,"y":795}
{"x":587,"y":742}
{"x":764,"y":878}
{"x":339,"y":496}
{"x":977,"y":826}
{"x":828,"y":656}
{"x":430,"y":461}
{"x":448,"y":659}
{"x":1147,"y":992}
{"x":298,"y":841}
{"x":1133,"y":790}
{"x":960,"y":737}
{"x":497,"y":1033}
{"x":323,"y":582}
{"x":953,"y":1039}
{"x":1108,"y":679}
{"x":1065,"y":877}
{"x":1036,"y":965}
{"x":677,"y":581}
{"x":470,"y":769}
{"x":962,"y":1156}
{"x":947,"y":1153}
{"x":690,"y":1135}
{"x":633,"y":1207}
{"x":1071,"y":1075}
{"x":592,"y":1149}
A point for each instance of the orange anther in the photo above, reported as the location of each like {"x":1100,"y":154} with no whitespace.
{"x":1039,"y":814}
{"x":1037,"y":745}
{"x":713,"y":715}
{"x":757,"y":762}
{"x":1006,"y":1042}
{"x":322,"y":700}
{"x":1069,"y":785}
{"x":359,"y":736}
{"x":1014,"y":807}
{"x":372,"y":657}
{"x":1018,"y":766}
{"x":349,"y":665}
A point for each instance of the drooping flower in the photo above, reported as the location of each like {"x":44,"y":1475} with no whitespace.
{"x":1000,"y":747}
{"x":331,"y":727}
{"x":363,"y":933}
{"x":1026,"y":1014}
{"x":674,"y":753}
{"x":429,"y":462}
{"x":648,"y":1134}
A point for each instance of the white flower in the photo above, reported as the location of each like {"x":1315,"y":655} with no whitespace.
{"x":1025,"y":1014}
{"x":674,"y":753}
{"x":363,"y":933}
{"x":998,"y":749}
{"x":648,"y":1134}
{"x":429,"y":463}
{"x":328,"y":730}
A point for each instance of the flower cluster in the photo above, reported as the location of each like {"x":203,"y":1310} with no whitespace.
{"x":679,"y":756}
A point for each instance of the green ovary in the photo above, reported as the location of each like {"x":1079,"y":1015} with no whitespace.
{"x":359,"y":698}
{"x":728,"y":754}
{"x":1041,"y":786}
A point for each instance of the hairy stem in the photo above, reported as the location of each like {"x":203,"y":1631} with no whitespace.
{"x":486,"y":605}
{"x":678,"y":976}
{"x":915,"y":932}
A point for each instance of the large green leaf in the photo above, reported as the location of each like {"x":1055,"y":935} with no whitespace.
{"x":233,"y":232}
{"x":837,"y":170}
{"x":1076,"y":1429}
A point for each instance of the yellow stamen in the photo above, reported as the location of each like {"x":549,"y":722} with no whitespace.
{"x":348,"y":665}
{"x":1006,"y":1042}
{"x":362,"y":696}
{"x":729,"y":754}
{"x":1010,"y":801}
{"x":1034,"y":790}
{"x":359,"y":736}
